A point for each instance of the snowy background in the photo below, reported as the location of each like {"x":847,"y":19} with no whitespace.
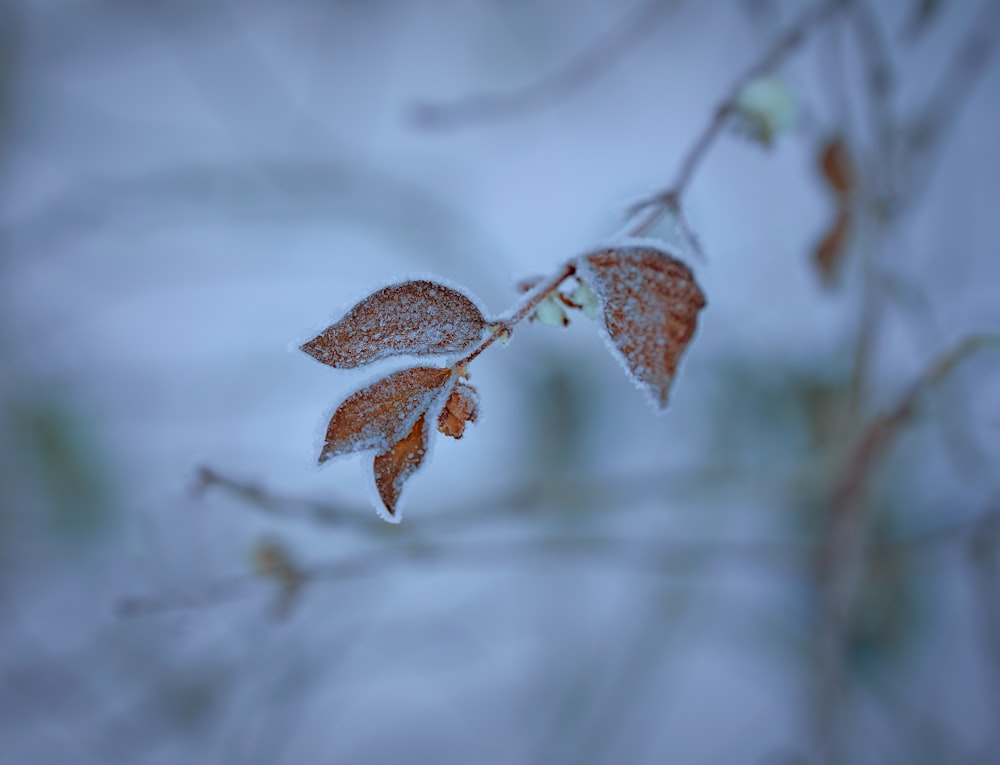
{"x":188,"y":187}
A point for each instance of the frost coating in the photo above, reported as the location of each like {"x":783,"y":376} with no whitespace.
{"x":384,"y":412}
{"x":418,"y":318}
{"x":650,"y":302}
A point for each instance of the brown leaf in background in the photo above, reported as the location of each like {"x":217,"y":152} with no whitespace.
{"x":837,"y":168}
{"x":417,"y":318}
{"x":462,"y":407}
{"x":384,"y":412}
{"x":650,"y":303}
{"x":830,"y":251}
{"x":397,"y":463}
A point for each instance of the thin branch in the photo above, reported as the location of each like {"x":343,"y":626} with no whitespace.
{"x":549,"y":90}
{"x":927,"y":130}
{"x":663,"y":557}
{"x":505,"y":327}
{"x":645,"y":214}
{"x":984,"y":573}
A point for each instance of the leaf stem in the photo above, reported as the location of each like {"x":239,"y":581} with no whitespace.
{"x":505,"y":325}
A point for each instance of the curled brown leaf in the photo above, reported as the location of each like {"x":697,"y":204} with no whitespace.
{"x":836,"y":167}
{"x":384,"y":412}
{"x":415,"y":318}
{"x":650,"y":303}
{"x":461,"y":407}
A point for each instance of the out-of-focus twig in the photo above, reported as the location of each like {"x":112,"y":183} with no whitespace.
{"x":646,"y":213}
{"x":925,"y":133}
{"x":549,"y":90}
{"x":281,"y":506}
{"x":984,"y":572}
{"x":843,"y":556}
{"x":658,"y":557}
{"x":572,"y":491}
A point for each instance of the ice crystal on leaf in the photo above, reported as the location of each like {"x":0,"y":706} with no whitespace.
{"x":384,"y":412}
{"x":415,"y":318}
{"x":650,"y":303}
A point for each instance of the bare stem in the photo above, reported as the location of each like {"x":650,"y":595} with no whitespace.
{"x":521,"y":311}
{"x":669,"y":200}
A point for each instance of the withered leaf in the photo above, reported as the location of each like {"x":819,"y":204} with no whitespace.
{"x":836,"y":167}
{"x":461,"y":407}
{"x":384,"y":412}
{"x":650,"y":303}
{"x":416,"y":318}
{"x":830,"y":251}
{"x":397,"y":463}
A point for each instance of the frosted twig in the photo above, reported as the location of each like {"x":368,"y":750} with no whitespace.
{"x":547,"y":91}
{"x":645,"y":214}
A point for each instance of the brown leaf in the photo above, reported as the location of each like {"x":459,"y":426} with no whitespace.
{"x":650,"y":303}
{"x":397,"y":463}
{"x":830,"y":251}
{"x":837,"y":168}
{"x":417,"y":318}
{"x":462,"y":407}
{"x":384,"y":412}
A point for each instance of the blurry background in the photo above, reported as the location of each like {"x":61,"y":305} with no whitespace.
{"x":187,"y":188}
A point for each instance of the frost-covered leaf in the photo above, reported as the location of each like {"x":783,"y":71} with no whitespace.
{"x":416,"y":318}
{"x":397,"y":463}
{"x":650,"y":303}
{"x":462,"y":407}
{"x":383,"y":412}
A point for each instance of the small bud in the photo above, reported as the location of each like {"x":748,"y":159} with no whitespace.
{"x":765,"y":107}
{"x":584,"y":297}
{"x":550,"y":312}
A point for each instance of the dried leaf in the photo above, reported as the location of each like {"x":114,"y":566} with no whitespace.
{"x":650,"y":302}
{"x":417,"y":318}
{"x":830,"y":251}
{"x":551,"y":313}
{"x":837,"y":168}
{"x":273,"y":560}
{"x":462,"y":407}
{"x":384,"y":412}
{"x":397,"y":463}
